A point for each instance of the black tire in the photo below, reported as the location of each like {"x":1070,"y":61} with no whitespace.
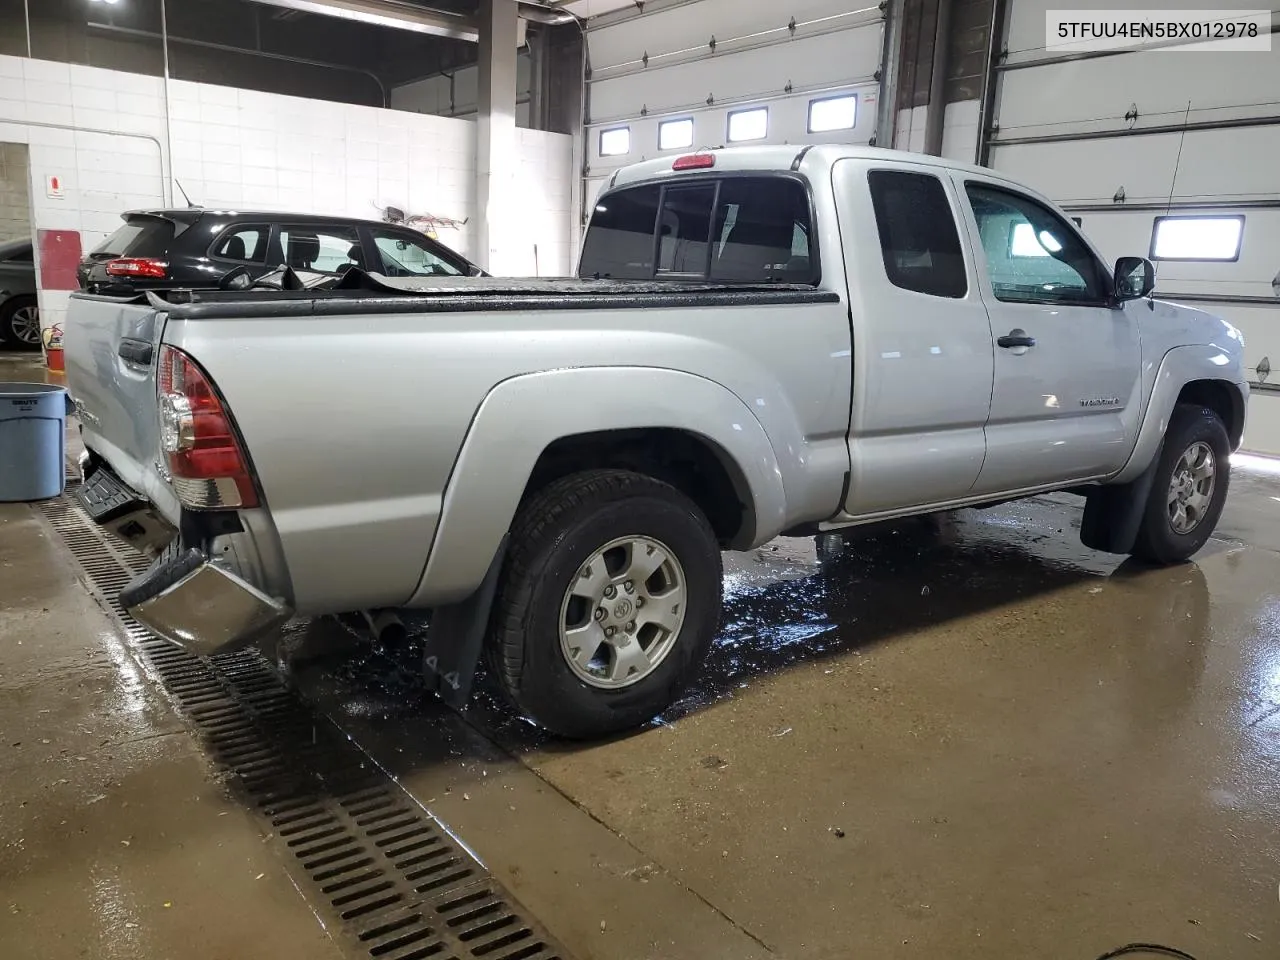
{"x":1157,"y":541}
{"x":9,"y":335}
{"x":554,"y":534}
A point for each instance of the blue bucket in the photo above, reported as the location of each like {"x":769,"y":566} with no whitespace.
{"x":33,"y":441}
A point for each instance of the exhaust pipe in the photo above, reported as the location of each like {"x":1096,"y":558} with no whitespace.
{"x":387,"y":628}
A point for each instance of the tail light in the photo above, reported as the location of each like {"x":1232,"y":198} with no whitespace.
{"x":138,"y":267}
{"x":206,"y":461}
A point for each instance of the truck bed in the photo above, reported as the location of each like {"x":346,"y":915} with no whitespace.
{"x":369,"y":293}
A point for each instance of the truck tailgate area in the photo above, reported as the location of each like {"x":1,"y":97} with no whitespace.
{"x":111,"y":349}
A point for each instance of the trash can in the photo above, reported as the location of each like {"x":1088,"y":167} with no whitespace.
{"x":33,"y":441}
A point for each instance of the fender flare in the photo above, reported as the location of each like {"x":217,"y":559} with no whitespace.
{"x":522,"y":416}
{"x":1180,"y":366}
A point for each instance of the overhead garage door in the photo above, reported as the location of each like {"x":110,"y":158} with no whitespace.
{"x":1128,"y":139}
{"x":686,"y":70}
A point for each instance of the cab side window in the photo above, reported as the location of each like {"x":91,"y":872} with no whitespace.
{"x":1032,"y":255}
{"x":918,"y":236}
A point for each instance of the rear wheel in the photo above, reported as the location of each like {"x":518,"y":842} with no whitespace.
{"x":20,"y":323}
{"x":609,"y":599}
{"x":1189,"y":487}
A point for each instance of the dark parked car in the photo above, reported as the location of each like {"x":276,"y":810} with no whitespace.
{"x":193,"y":247}
{"x":19,"y":314}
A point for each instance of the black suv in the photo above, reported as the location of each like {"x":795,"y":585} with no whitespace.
{"x":192,"y":247}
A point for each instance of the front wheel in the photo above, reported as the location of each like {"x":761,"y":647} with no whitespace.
{"x":1189,"y":487}
{"x":609,"y":600}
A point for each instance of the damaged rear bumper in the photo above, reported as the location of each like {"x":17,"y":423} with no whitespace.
{"x":198,"y":604}
{"x":185,"y":596}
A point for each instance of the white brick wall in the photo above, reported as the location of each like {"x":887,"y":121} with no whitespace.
{"x":105,"y":134}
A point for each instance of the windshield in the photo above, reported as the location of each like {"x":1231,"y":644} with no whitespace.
{"x":407,"y":256}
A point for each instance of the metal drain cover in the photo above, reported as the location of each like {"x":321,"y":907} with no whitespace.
{"x":392,"y":880}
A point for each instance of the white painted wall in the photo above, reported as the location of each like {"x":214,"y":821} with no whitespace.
{"x":835,"y":48}
{"x":107,"y":134}
{"x":458,"y":96}
{"x":1212,"y":166}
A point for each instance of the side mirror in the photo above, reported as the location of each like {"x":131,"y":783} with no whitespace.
{"x":1135,"y":277}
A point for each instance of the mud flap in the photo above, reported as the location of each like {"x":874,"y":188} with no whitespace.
{"x":456,"y":637}
{"x":1112,"y":515}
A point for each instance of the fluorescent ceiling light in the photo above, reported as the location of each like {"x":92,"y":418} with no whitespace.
{"x":388,"y":13}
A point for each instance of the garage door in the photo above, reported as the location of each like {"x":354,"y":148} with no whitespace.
{"x":675,"y":76}
{"x":1162,"y":153}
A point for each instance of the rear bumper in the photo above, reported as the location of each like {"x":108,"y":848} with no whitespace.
{"x":199,"y":604}
{"x":187,"y":597}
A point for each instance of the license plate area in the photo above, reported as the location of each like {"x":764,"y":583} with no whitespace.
{"x":123,"y":513}
{"x":105,"y":498}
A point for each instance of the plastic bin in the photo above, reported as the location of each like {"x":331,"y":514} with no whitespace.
{"x":33,"y":441}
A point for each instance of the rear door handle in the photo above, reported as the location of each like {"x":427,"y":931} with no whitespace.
{"x":1016,"y":338}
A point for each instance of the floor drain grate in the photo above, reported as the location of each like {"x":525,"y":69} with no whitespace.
{"x":400,"y":886}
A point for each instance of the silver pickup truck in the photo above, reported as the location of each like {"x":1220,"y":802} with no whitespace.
{"x":762,"y":341}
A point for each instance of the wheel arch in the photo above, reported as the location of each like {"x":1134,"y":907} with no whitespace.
{"x":531,"y":429}
{"x":693,"y":463}
{"x":1223,"y":398}
{"x":1181,"y":378}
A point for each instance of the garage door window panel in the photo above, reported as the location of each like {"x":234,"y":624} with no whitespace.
{"x":615,"y":142}
{"x":322,"y":249}
{"x":833,"y":113}
{"x":675,"y":134}
{"x":919,"y":241}
{"x":1032,"y":254}
{"x":750,"y":124}
{"x":1211,"y":239}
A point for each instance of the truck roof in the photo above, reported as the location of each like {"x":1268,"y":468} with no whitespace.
{"x":809,"y":159}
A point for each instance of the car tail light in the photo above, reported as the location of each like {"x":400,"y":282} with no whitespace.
{"x":207,"y":464}
{"x":695,"y":161}
{"x":138,"y":267}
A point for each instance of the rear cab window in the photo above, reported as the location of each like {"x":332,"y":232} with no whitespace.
{"x":743,"y":228}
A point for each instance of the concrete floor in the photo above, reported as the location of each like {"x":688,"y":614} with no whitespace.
{"x":968,"y":742}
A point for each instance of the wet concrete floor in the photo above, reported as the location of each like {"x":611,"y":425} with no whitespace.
{"x":116,"y":841}
{"x":967,"y":740}
{"x":976,"y":741}
{"x":116,"y":838}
